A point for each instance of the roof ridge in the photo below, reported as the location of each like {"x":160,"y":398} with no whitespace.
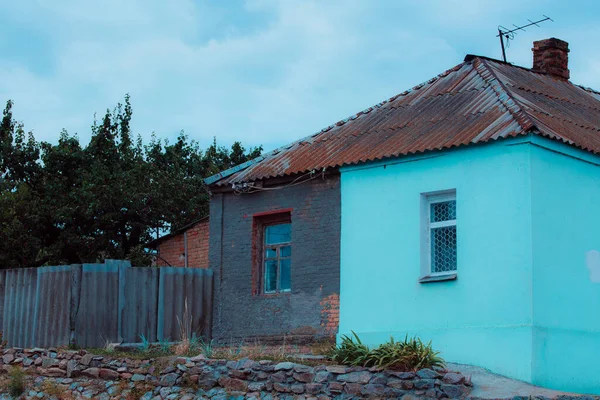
{"x":586,"y":88}
{"x":504,"y":96}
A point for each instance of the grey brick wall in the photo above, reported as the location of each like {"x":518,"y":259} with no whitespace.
{"x":315,"y":267}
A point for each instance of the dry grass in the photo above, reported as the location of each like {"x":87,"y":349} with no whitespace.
{"x":322,"y":347}
{"x":258,"y":351}
{"x":51,"y":388}
{"x":188,"y":338}
{"x":191,"y":345}
{"x":138,"y":391}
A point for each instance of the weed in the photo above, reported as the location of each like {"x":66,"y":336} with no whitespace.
{"x":186,"y":336}
{"x":322,"y":347}
{"x":164,"y":346}
{"x":417,"y":355}
{"x":16,"y":384}
{"x":145,"y":347}
{"x":73,"y":346}
{"x":207,"y":347}
{"x":351,"y":352}
{"x":410,"y":354}
{"x":108,"y":347}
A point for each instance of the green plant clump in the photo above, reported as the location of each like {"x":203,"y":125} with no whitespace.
{"x":16,"y":385}
{"x":351,"y":352}
{"x":409,"y":354}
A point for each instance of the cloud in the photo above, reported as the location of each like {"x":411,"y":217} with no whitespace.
{"x":261,"y":71}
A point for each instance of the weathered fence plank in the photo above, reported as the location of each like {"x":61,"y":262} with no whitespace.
{"x":96,"y":322}
{"x":53,"y":303}
{"x":178,"y":288}
{"x":141,"y":304}
{"x":19,"y":306}
{"x":93,"y":304}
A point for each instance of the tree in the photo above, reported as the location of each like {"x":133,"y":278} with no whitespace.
{"x":63,"y":203}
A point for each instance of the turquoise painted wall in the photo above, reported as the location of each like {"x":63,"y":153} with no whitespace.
{"x":566,"y":291}
{"x":484,"y":317}
{"x":526,"y":303}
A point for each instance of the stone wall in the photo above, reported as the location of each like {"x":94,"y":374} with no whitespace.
{"x":78,"y":374}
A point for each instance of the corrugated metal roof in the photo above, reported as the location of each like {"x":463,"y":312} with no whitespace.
{"x":475,"y":102}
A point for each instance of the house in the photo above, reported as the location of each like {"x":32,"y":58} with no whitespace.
{"x":275,"y":252}
{"x":467,"y":216}
{"x":185,"y":247}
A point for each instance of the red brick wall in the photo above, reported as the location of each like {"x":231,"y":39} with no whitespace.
{"x":172,"y":249}
{"x":330,"y":313}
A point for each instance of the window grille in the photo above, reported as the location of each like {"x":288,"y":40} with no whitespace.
{"x":440,"y":231}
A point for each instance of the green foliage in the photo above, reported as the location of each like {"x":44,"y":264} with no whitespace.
{"x":65,"y":203}
{"x":164,"y":346}
{"x":207,"y":347}
{"x":351,"y":351}
{"x":16,"y":384}
{"x":410,"y":354}
{"x":145,"y":347}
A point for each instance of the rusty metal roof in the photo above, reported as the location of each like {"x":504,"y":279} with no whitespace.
{"x":478,"y":101}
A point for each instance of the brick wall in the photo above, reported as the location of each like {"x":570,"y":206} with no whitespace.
{"x":172,"y":250}
{"x":311,"y":308}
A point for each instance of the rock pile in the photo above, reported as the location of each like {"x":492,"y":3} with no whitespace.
{"x":78,"y":374}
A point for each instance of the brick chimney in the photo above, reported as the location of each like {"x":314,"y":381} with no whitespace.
{"x":551,"y":56}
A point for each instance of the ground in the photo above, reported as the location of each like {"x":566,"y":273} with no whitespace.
{"x":487,"y":385}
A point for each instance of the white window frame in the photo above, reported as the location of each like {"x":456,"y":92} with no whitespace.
{"x":426,"y":225}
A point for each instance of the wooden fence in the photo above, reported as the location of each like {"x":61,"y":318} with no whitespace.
{"x":90,"y":305}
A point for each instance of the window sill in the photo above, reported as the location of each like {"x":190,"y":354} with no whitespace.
{"x":277,"y":294}
{"x":438,"y":278}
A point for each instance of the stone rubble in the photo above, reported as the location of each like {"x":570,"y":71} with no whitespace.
{"x":70,"y":374}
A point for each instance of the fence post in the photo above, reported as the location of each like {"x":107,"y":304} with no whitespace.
{"x":123,"y":265}
{"x":2,"y":297}
{"x":75,"y":298}
{"x":207,"y":303}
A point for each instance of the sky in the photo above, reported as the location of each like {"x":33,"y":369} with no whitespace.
{"x":263,"y":72}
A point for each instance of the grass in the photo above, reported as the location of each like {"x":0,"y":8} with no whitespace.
{"x":133,"y":354}
{"x":16,"y":383}
{"x":137,"y":392}
{"x":51,"y":388}
{"x":191,"y":345}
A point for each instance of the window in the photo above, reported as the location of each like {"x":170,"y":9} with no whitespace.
{"x":272,"y":252}
{"x":277,"y":258}
{"x":438,"y":243}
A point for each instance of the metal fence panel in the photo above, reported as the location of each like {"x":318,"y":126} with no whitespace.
{"x":53,"y":304}
{"x":92,"y":304}
{"x":96,"y":322}
{"x":182,"y":300}
{"x":19,"y":306}
{"x":141,"y":304}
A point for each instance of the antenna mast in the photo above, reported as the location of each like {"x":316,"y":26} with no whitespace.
{"x":509,"y":34}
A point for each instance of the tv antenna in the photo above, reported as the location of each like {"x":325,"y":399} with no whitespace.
{"x":509,"y":34}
